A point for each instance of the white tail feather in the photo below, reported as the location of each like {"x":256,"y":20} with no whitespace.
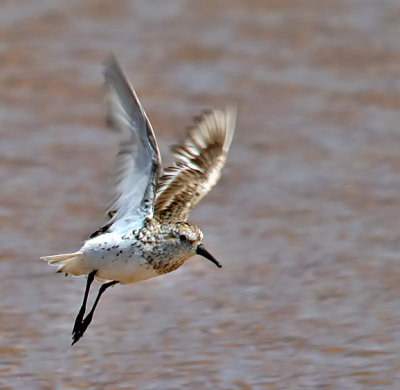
{"x":70,"y":263}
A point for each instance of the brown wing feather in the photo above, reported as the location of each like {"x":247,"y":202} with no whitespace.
{"x":201,"y":157}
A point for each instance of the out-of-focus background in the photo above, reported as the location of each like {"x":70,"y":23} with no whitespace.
{"x":306,"y":218}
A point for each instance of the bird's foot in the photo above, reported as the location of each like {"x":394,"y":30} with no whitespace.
{"x":80,"y":329}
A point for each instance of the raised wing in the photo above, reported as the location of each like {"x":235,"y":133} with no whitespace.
{"x":201,"y":157}
{"x":138,"y":160}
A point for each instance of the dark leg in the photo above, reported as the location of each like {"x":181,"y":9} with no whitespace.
{"x":88,"y":319}
{"x":82,"y":310}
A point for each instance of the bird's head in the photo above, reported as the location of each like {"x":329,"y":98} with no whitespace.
{"x":190,"y":239}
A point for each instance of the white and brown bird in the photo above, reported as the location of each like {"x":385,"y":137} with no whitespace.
{"x":148,"y":234}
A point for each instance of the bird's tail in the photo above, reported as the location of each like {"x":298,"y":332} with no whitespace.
{"x":70,"y":263}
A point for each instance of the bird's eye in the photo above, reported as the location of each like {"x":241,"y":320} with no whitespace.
{"x":182,"y":237}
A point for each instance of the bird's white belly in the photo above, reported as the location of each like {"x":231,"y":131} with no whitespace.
{"x":124,"y":269}
{"x":116,"y":260}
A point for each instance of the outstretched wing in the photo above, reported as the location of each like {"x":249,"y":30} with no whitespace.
{"x":201,"y":157}
{"x":138,"y":160}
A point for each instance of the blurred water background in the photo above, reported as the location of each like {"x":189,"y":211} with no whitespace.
{"x":306,"y":217}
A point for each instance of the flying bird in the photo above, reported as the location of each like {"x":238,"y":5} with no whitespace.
{"x":148,"y":234}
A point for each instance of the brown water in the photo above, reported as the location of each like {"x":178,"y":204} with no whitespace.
{"x":306,"y":219}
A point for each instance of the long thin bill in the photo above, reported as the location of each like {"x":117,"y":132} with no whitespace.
{"x":200,"y":250}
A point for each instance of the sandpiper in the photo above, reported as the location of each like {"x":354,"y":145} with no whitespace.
{"x":148,"y":233}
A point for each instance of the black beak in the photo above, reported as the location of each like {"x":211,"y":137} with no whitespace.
{"x":200,"y":250}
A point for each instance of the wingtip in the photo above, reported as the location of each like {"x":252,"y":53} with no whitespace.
{"x":230,"y":118}
{"x":231,"y":110}
{"x":110,"y":60}
{"x":112,"y":69}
